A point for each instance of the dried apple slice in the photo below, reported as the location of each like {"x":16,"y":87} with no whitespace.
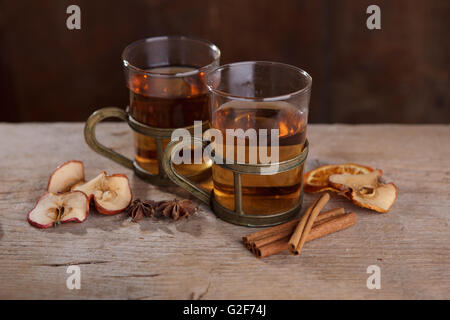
{"x":364,"y":183}
{"x":65,"y":176}
{"x":381,"y":201}
{"x":365,"y":190}
{"x":111,"y":194}
{"x":317,"y":180}
{"x":52,"y":209}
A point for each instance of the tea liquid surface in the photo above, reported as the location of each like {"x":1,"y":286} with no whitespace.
{"x":262,"y":194}
{"x":166,"y":102}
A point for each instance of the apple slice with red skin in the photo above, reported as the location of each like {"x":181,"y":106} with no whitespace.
{"x":52,"y":209}
{"x":65,"y":176}
{"x":111,"y":194}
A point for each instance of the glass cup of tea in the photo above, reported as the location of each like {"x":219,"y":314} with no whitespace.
{"x":166,"y":78}
{"x":257,"y":140}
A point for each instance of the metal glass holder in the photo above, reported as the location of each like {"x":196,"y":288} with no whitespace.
{"x":236,"y":216}
{"x":159,"y":134}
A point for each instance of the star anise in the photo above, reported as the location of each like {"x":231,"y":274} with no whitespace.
{"x":141,"y":208}
{"x":176,"y":209}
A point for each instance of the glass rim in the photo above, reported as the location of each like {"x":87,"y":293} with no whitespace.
{"x":211,"y":46}
{"x":266,"y":63}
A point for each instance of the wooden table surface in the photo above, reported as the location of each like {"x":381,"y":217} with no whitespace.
{"x":203,"y":257}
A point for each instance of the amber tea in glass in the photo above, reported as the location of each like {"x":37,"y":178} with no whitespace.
{"x":262,"y":193}
{"x":166,"y":80}
{"x":260,"y":95}
{"x":257,"y":142}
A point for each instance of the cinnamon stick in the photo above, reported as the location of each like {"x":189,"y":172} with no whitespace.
{"x":272,"y":238}
{"x":298,"y":238}
{"x":323,"y":217}
{"x":329,"y":214}
{"x":269,"y":231}
{"x":289,"y":229}
{"x":278,"y":232}
{"x":336,"y":224}
{"x":333,"y":225}
{"x":272,"y":248}
{"x":295,"y":237}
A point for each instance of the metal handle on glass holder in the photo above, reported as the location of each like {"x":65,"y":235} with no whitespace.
{"x":91,"y":139}
{"x":174,"y":147}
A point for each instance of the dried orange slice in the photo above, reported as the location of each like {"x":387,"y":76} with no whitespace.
{"x":317,"y":180}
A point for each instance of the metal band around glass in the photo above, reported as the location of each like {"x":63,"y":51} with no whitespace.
{"x":236,"y":216}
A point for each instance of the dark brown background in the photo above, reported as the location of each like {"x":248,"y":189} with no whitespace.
{"x":397,"y":74}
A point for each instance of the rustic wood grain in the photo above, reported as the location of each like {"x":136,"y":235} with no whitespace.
{"x":202,"y":257}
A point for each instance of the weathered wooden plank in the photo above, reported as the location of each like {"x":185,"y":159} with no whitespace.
{"x":202,"y":258}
